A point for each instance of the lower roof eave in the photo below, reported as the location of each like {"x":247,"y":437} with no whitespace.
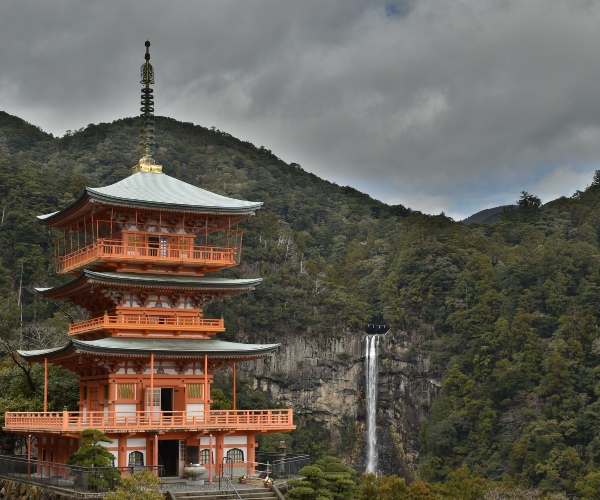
{"x":123,"y":347}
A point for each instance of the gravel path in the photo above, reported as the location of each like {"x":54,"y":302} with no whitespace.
{"x":183,"y":486}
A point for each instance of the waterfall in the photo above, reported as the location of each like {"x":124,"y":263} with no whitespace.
{"x":371,"y":370}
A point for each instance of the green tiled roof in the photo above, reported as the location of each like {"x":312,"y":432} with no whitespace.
{"x":168,"y":348}
{"x":161,"y":191}
{"x":158,"y":280}
{"x":173,"y":279}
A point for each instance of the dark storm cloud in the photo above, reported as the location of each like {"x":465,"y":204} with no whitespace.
{"x":438,"y":105}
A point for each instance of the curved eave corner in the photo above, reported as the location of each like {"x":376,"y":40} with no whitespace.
{"x":45,"y":353}
{"x":46,"y":216}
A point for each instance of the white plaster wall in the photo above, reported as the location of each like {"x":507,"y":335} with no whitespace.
{"x":136,"y":443}
{"x":125,"y":409}
{"x":195,"y":410}
{"x":235,"y":440}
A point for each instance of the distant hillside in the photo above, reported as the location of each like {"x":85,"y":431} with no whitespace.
{"x":487,"y":216}
{"x":18,"y":135}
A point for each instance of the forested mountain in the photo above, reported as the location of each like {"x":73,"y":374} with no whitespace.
{"x":487,"y":216}
{"x":505,"y":313}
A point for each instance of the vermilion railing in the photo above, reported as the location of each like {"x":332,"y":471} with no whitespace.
{"x":69,"y":421}
{"x":130,"y":321}
{"x":125,"y":251}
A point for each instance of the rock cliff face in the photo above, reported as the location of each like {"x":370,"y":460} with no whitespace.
{"x":325,"y":378}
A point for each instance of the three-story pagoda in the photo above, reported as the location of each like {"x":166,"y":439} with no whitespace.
{"x":142,"y":253}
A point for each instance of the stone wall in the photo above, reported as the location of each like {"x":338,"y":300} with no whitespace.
{"x":13,"y":490}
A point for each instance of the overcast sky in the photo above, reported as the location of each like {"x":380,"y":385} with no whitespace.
{"x":440,"y":105}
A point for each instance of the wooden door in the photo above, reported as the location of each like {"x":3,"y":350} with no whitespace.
{"x":153,"y":404}
{"x":93,"y":399}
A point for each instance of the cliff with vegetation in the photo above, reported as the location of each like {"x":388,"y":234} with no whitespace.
{"x":492,"y":356}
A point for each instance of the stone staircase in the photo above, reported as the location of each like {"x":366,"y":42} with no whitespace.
{"x":244,"y":494}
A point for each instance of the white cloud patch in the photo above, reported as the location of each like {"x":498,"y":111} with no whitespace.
{"x":562,"y":181}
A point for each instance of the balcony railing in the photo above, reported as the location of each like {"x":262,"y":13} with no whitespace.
{"x":140,"y":421}
{"x":122,"y":251}
{"x":149,"y":323}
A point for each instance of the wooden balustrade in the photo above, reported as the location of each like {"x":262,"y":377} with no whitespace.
{"x":137,"y":322}
{"x":123,"y":251}
{"x":130,"y":421}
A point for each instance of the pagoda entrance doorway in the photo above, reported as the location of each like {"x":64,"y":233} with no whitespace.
{"x":166,"y":399}
{"x":168,"y":456}
{"x":163,"y":401}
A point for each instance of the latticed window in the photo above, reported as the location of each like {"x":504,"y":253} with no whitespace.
{"x":133,"y":241}
{"x":235,"y":455}
{"x":205,"y":456}
{"x":126,"y":391}
{"x":195,"y":391}
{"x":136,"y":459}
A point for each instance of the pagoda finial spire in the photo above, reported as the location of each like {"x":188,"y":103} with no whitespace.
{"x":147,"y":163}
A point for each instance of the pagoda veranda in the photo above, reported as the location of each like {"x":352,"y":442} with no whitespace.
{"x":142,"y":256}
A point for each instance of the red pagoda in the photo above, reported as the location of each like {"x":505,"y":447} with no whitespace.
{"x":142,"y":253}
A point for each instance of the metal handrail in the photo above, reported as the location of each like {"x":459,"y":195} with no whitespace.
{"x":230,"y":484}
{"x":71,"y":477}
{"x":287,"y":465}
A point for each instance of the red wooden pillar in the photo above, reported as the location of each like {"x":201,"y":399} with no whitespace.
{"x":206,"y":390}
{"x":155,"y":454}
{"x":45,"y":385}
{"x":210,"y":459}
{"x":251,"y":453}
{"x":234,"y":387}
{"x":28,"y":456}
{"x":151,"y":384}
{"x":122,"y":453}
{"x":219,"y":453}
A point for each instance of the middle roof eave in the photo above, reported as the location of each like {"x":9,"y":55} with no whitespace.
{"x":160,"y":281}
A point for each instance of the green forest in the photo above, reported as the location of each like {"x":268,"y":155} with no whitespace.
{"x":507,"y":311}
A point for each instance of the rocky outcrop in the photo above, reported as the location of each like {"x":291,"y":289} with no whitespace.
{"x":324,"y":377}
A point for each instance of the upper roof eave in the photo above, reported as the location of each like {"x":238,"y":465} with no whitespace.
{"x":156,"y":191}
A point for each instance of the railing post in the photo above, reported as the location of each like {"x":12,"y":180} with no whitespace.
{"x":65,"y":418}
{"x":29,"y":457}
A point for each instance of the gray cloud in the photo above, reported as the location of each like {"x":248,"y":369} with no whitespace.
{"x":437,"y":105}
